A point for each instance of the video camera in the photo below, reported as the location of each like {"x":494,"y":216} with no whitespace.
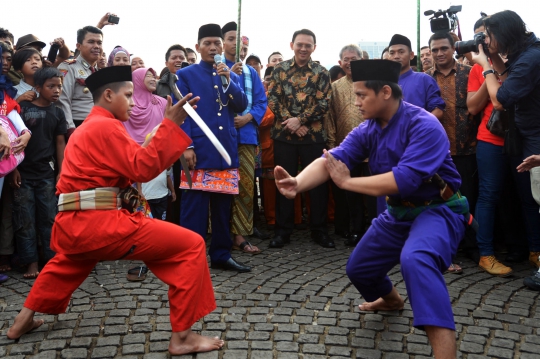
{"x":444,"y":20}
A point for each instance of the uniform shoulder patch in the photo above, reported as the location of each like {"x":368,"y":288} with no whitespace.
{"x":70,"y":61}
{"x":64,"y":72}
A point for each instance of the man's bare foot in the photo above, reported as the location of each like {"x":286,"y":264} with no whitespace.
{"x":241,"y":244}
{"x":32,"y":271}
{"x":189,"y":342}
{"x":23,"y":323}
{"x":391,"y":301}
{"x":4,"y":264}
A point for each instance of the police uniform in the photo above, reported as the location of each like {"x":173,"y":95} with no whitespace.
{"x":76,"y":100}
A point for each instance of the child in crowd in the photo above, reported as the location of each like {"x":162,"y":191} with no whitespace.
{"x":156,"y":193}
{"x":34,"y":181}
{"x":27,"y":61}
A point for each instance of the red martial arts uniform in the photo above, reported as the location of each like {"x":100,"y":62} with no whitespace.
{"x":100,"y":153}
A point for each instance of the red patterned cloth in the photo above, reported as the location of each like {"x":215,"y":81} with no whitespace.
{"x":221,"y":181}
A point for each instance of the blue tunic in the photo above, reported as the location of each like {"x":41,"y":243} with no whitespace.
{"x":199,"y":79}
{"x":414,"y":146}
{"x":421,"y":90}
{"x":247,"y":135}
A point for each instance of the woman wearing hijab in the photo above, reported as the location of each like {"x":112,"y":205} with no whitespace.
{"x":119,"y":57}
{"x":145,"y":116}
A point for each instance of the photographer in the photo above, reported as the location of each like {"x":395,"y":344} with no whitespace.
{"x":506,"y":35}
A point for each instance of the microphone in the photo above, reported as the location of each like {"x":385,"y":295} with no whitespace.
{"x":217,"y":60}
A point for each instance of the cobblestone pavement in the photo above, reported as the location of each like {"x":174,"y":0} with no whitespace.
{"x":296,"y":303}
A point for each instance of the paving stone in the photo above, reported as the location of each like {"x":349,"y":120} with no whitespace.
{"x":288,"y":347}
{"x":530,"y":348}
{"x":104,"y":352}
{"x":88,"y":331}
{"x":133,"y":349}
{"x":418,"y":349}
{"x":18,"y":349}
{"x":308,"y":338}
{"x":340,"y":351}
{"x":75,"y":354}
{"x":56,"y":344}
{"x":469,"y":347}
{"x":60,"y":334}
{"x":388,"y":346}
{"x":80,"y":343}
{"x":495,"y":352}
{"x":108,"y":341}
{"x":313,"y":348}
{"x":115,"y":330}
{"x":335,"y":340}
{"x":235,"y":354}
{"x":368,"y":354}
{"x":49,"y":354}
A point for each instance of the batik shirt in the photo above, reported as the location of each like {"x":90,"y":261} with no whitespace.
{"x":460,"y":126}
{"x":342,"y":115}
{"x":302,"y":92}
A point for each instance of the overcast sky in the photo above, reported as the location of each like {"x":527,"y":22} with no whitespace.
{"x":148,"y":28}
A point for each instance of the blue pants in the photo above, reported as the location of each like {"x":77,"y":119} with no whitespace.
{"x":34,"y":207}
{"x":194,"y":216}
{"x":424,"y":247}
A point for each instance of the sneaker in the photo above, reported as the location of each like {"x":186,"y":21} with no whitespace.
{"x":533,"y":282}
{"x":491,"y":265}
{"x":534,"y":259}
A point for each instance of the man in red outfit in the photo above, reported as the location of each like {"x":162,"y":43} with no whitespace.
{"x":100,"y":161}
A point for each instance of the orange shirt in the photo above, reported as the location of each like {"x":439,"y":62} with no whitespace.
{"x":476,"y":79}
{"x":100,"y":153}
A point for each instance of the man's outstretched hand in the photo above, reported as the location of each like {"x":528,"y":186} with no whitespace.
{"x":337,"y":169}
{"x":286,"y":184}
{"x":176,"y":113}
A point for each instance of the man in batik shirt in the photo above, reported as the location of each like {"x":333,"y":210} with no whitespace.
{"x":298,"y":95}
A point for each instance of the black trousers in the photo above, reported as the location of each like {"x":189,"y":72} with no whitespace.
{"x":468,"y":170}
{"x":287,"y":155}
{"x":349,"y":212}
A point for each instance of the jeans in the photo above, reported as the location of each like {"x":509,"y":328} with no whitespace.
{"x":34,"y":207}
{"x":492,"y":168}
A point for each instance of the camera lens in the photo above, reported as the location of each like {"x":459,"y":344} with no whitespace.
{"x":463,"y":47}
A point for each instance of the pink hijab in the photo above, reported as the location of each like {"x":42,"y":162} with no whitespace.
{"x":148,"y":111}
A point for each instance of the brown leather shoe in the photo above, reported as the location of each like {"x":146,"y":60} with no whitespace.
{"x":534,"y":259}
{"x":491,"y":265}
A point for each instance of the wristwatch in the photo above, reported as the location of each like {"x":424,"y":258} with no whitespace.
{"x":487,"y":72}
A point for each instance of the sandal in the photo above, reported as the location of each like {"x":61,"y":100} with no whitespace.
{"x":454,"y":269}
{"x":242,"y":247}
{"x":137,"y":274}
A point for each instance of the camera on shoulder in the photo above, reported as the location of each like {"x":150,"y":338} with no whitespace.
{"x":443,"y":20}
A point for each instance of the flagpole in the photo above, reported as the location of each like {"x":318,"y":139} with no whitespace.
{"x":418,"y":61}
{"x":238,"y":33}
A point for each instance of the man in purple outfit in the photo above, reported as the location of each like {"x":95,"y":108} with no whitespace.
{"x":418,"y":88}
{"x":409,"y":157}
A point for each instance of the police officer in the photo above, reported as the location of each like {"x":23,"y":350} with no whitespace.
{"x":76,"y":99}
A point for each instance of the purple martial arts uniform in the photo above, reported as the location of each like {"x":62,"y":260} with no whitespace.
{"x":421,"y":90}
{"x":414,"y":146}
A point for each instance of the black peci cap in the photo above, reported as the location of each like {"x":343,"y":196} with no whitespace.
{"x":398,"y":39}
{"x":375,"y":70}
{"x":210,"y":30}
{"x":230,"y":26}
{"x":108,"y":75}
